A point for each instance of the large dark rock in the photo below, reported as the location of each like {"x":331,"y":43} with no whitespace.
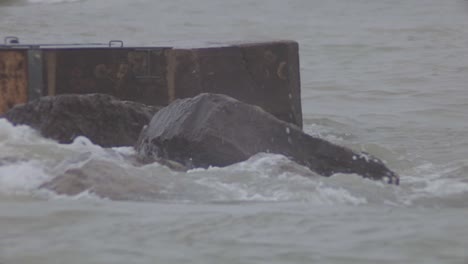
{"x":217,"y":130}
{"x":104,"y":119}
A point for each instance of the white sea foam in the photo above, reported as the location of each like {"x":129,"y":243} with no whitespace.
{"x":22,"y":178}
{"x":435,"y":184}
{"x":28,"y":160}
{"x":270,"y":177}
{"x":22,"y":133}
{"x":264,"y":177}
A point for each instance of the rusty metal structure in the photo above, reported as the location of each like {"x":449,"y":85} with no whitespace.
{"x":265,"y":74}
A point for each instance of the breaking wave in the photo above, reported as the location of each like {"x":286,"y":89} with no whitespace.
{"x":33,"y":166}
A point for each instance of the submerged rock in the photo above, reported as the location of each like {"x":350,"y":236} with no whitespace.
{"x":217,"y":130}
{"x":106,"y":180}
{"x":104,"y":119}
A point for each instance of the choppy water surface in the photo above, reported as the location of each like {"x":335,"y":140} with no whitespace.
{"x":387,"y":77}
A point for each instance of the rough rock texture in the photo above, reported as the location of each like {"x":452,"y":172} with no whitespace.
{"x":217,"y":130}
{"x":104,"y":119}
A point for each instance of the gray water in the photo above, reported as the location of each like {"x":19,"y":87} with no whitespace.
{"x":388,"y":77}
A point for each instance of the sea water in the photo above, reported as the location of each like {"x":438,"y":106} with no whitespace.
{"x":387,"y":77}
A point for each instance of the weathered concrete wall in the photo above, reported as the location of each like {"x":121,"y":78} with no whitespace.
{"x":263,"y":74}
{"x":13,"y":79}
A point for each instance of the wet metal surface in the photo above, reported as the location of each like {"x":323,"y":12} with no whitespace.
{"x":13,"y":79}
{"x":263,"y":74}
{"x":35,"y":81}
{"x":130,"y":74}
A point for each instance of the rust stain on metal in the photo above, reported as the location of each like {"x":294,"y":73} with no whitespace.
{"x":51,"y":66}
{"x":13,"y":79}
{"x":170,"y":74}
{"x":139,"y":62}
{"x":130,"y":74}
{"x":183,"y":73}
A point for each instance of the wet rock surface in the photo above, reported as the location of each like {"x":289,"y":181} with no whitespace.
{"x":217,"y":130}
{"x":104,"y":119}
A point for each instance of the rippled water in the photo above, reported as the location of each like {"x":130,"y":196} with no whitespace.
{"x":387,"y":77}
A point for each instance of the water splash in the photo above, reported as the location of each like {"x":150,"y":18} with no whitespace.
{"x":31,"y":165}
